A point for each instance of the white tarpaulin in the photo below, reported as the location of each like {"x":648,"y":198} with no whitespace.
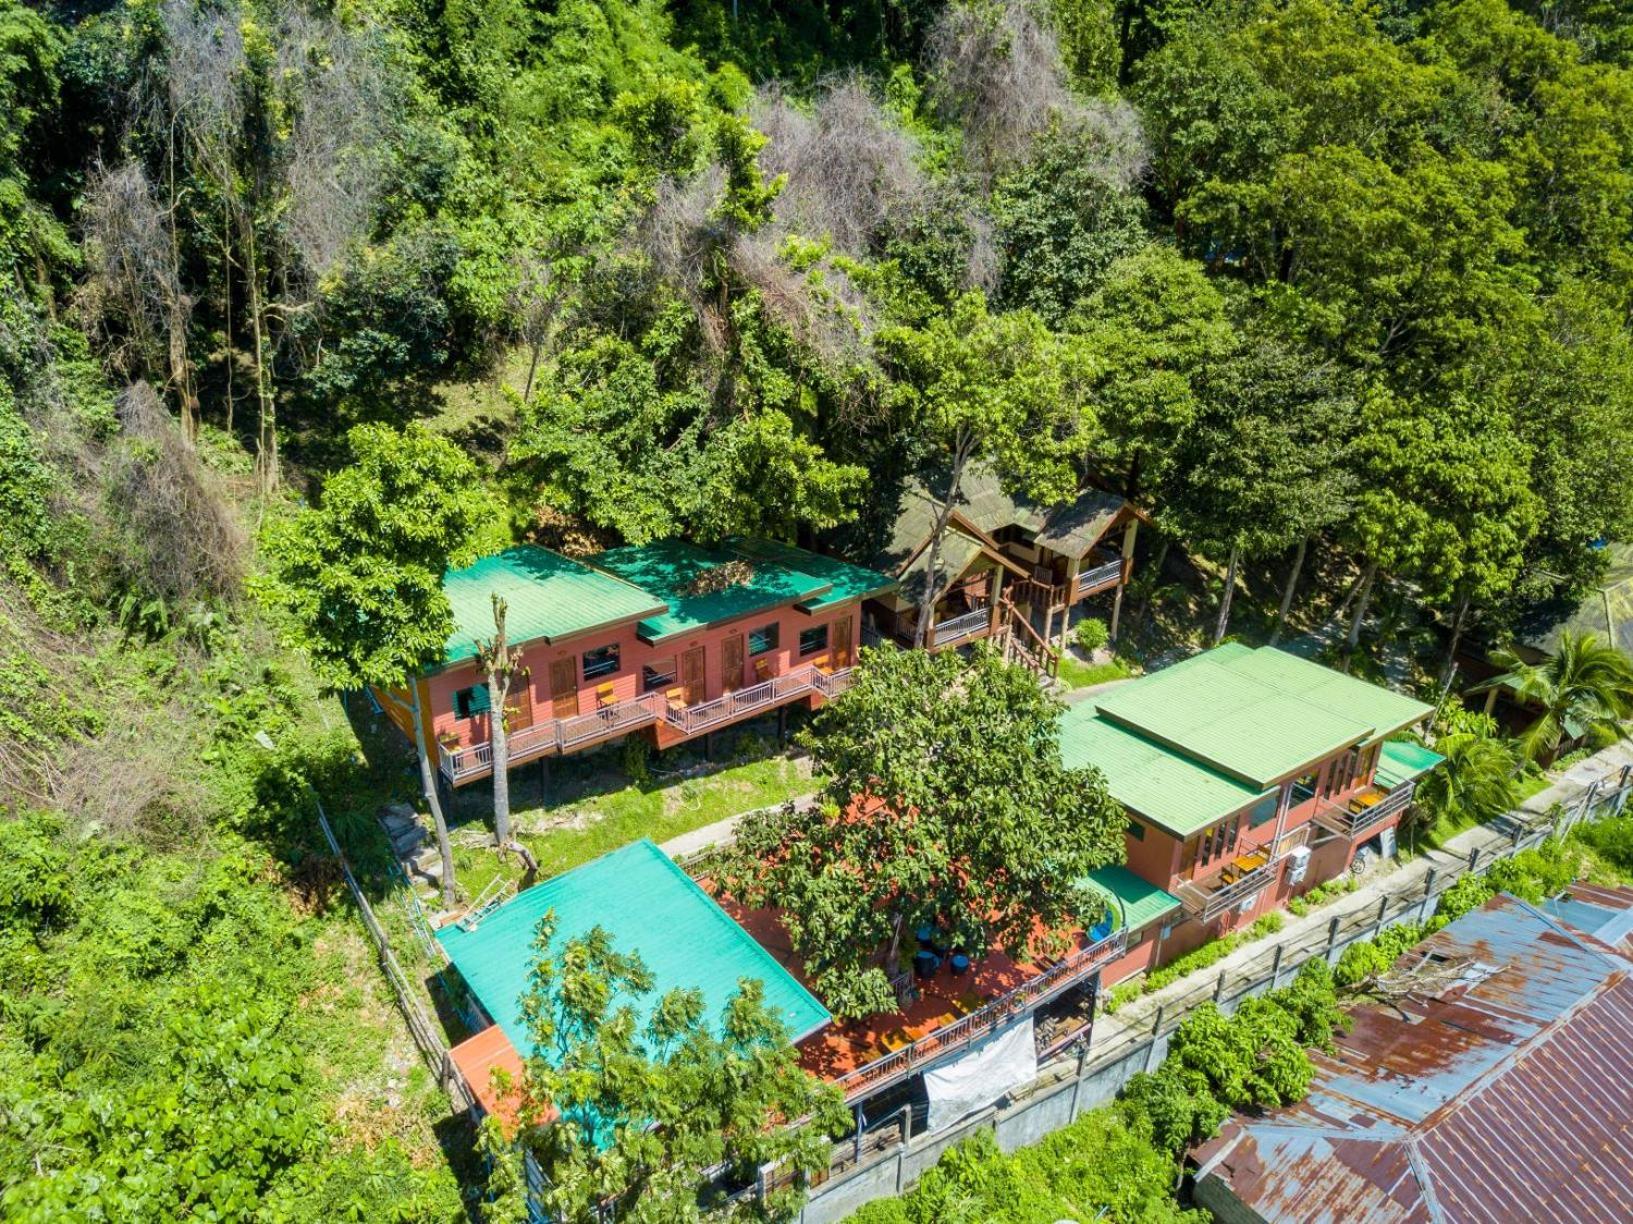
{"x":983,"y":1075}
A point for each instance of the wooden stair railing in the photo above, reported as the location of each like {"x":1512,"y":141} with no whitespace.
{"x":1022,"y":641}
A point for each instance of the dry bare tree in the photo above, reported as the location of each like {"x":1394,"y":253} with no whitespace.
{"x":851,"y":169}
{"x":501,"y":664}
{"x":996,"y":70}
{"x":535,"y":301}
{"x":134,"y":280}
{"x":178,"y":539}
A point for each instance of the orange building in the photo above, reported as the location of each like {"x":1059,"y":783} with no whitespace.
{"x":1249,"y":776}
{"x":669,"y":639}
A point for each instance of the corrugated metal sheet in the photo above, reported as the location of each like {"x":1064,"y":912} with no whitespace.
{"x":1137,"y":902}
{"x":649,"y":906}
{"x":1399,"y":761}
{"x":667,"y":569}
{"x":1508,"y":1097}
{"x":1258,"y":714}
{"x":845,"y":581}
{"x":1166,"y":787}
{"x":547,"y":596}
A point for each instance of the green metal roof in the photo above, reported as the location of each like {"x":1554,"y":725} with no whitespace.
{"x":845,"y":581}
{"x":1401,"y":761}
{"x":547,"y":596}
{"x":668,"y":568}
{"x":1259,"y":715}
{"x":648,"y":906}
{"x":1168,"y":788}
{"x":1135,"y":902}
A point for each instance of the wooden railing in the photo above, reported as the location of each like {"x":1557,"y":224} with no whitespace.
{"x":1350,"y":820}
{"x":1028,"y":644}
{"x":969,"y":1029}
{"x":965,"y":628}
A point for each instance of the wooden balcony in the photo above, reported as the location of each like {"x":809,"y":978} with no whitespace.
{"x":561,"y":735}
{"x":1241,"y":878}
{"x":1102,"y":576}
{"x":1366,"y":811}
{"x":969,"y":1029}
{"x":767,"y":695}
{"x":959,"y":630}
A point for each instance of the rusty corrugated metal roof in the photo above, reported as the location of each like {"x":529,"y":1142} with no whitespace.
{"x":1508,"y":1096}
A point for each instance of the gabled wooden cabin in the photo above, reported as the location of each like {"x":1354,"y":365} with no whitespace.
{"x":1002,"y":552}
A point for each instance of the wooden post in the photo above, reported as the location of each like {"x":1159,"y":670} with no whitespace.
{"x":1332,"y":937}
{"x":1275,"y":966}
{"x":1474,"y":858}
{"x":1383,"y":910}
{"x":1074,"y":567}
{"x":1219,"y":987}
{"x":1129,"y":534}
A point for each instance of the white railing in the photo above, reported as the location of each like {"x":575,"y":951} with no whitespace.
{"x":1098,"y":578}
{"x":1207,"y":902}
{"x":961,"y":628}
{"x":967,"y":1030}
{"x":619,"y":718}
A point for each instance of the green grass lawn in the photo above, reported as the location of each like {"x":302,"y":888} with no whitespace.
{"x":591,"y":806}
{"x":1076,"y":674}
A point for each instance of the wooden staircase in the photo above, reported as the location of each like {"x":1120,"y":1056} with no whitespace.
{"x":1025,"y":645}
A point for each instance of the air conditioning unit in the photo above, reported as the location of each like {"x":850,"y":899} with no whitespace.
{"x":1247,"y":903}
{"x":1298,"y":865}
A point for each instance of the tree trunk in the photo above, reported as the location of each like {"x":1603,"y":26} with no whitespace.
{"x":1457,"y":636}
{"x":532,"y":369}
{"x":428,"y":784}
{"x":181,"y":373}
{"x":1287,"y":591}
{"x":927,"y":605}
{"x":498,"y":662}
{"x":1230,"y":590}
{"x":266,"y":444}
{"x":893,"y":954}
{"x":1368,"y":578}
{"x":1157,"y":562}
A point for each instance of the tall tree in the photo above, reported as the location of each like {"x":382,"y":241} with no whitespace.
{"x":944,"y":801}
{"x":645,"y":1113}
{"x":501,"y":663}
{"x":971,"y":385}
{"x":358,"y":577}
{"x":1584,"y":689}
{"x":1263,"y":466}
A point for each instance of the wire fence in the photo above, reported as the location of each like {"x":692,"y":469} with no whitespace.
{"x":890,"y":1158}
{"x":427,"y":1033}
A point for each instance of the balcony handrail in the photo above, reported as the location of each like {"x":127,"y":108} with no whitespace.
{"x":612,"y":719}
{"x":1339,"y":818}
{"x":965,"y":625}
{"x":1206,"y":903}
{"x":694,"y":718}
{"x":1099,"y":574}
{"x":968,"y":1029}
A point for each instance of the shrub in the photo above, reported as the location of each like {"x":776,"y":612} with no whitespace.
{"x":1611,"y":840}
{"x":1469,"y":893}
{"x":1091,"y":634}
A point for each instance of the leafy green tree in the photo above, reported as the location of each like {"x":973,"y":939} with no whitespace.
{"x":1151,"y":328}
{"x":643,"y":1115}
{"x":1263,"y":466}
{"x":357,"y":578}
{"x":944,"y":802}
{"x":1584,"y":689}
{"x":1444,"y":499}
{"x":975,"y":386}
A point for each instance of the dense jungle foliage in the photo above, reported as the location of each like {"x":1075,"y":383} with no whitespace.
{"x":1351,"y":278}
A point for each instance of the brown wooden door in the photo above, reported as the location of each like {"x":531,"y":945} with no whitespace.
{"x":691,"y":675}
{"x":731,"y":663}
{"x":564,"y":687}
{"x":519,"y":704}
{"x":839,"y":643}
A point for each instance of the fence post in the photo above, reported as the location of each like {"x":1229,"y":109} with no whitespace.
{"x":1219,"y":987}
{"x":1151,"y":1045}
{"x":1428,"y":895}
{"x":1383,"y":909}
{"x":1077,"y":1083}
{"x":1332,"y":936}
{"x":1474,"y":859}
{"x":1275,"y":966}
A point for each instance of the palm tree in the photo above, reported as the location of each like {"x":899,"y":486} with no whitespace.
{"x":1477,"y":783}
{"x":1585,"y":688}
